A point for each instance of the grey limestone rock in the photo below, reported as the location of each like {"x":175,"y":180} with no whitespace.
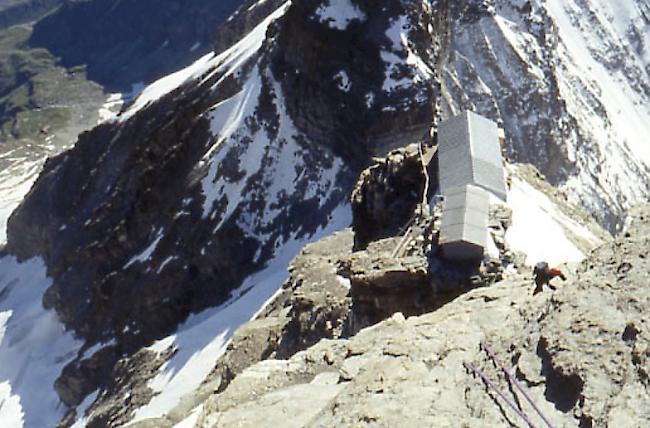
{"x":582,"y":352}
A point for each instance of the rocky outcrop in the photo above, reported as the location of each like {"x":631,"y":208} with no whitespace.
{"x":348,"y":84}
{"x":313,"y":304}
{"x":397,"y":265}
{"x":387,"y":194}
{"x":580,"y":351}
{"x":383,"y":282}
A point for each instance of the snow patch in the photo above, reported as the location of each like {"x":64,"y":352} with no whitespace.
{"x":539,"y":229}
{"x":404,"y":66}
{"x":344,"y":281}
{"x":114,"y":103}
{"x":338,"y":14}
{"x":110,"y":108}
{"x":191,"y":420}
{"x":83,"y":408}
{"x":15,"y":182}
{"x":343,"y":81}
{"x":96,"y":347}
{"x":166,"y":85}
{"x":226,"y":119}
{"x":147,"y":252}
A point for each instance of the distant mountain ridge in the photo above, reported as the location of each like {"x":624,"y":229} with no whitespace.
{"x":569,"y":80}
{"x":125,"y":42}
{"x":14,"y":12}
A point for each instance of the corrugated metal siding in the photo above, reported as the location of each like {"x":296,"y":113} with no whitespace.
{"x":464,"y":222}
{"x":454,"y":154}
{"x":486,"y":154}
{"x":469,"y":153}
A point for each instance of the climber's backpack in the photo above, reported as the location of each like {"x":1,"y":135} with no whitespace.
{"x":540,"y":267}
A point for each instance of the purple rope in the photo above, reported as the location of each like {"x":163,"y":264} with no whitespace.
{"x":473,"y":368}
{"x":514,"y":380}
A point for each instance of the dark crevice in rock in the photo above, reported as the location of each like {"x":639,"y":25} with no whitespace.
{"x":586,"y":422}
{"x":630,"y":333}
{"x":563,"y":390}
{"x":503,"y":411}
{"x":514,"y":394}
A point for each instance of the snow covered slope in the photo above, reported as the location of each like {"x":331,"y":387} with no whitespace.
{"x":34,"y":347}
{"x":570,"y":82}
{"x":15,"y":182}
{"x":541,"y":229}
{"x":203,"y":338}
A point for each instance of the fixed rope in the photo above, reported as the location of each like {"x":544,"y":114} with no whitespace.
{"x":491,"y":384}
{"x":514,"y":380}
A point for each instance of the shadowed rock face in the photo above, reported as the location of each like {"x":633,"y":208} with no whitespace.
{"x":314,"y":60}
{"x":387,"y":194}
{"x":126,"y":42}
{"x":150,"y":219}
{"x":242,"y":21}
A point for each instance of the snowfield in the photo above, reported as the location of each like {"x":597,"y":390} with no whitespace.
{"x":541,"y":230}
{"x":34,"y":348}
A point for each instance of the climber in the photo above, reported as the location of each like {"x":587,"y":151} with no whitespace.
{"x":544,"y":274}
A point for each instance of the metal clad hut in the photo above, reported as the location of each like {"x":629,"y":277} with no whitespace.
{"x":470,"y":168}
{"x":469,"y":153}
{"x":464,"y":226}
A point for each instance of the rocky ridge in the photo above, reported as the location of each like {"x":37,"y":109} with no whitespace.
{"x":335,"y":289}
{"x":59,"y":75}
{"x":582,"y":366}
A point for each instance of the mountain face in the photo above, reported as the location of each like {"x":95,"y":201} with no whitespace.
{"x":167,"y":227}
{"x":14,"y":12}
{"x":123,"y":43}
{"x":214,"y":170}
{"x":213,"y":177}
{"x":570,"y":83}
{"x":55,"y":73}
